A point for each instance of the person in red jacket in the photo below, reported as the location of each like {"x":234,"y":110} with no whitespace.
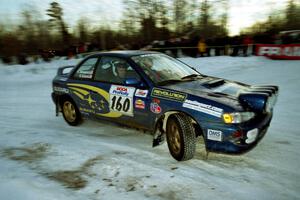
{"x":247,"y":45}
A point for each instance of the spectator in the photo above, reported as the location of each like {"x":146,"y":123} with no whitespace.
{"x":202,"y":47}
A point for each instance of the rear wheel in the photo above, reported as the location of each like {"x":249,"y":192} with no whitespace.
{"x":181,"y":137}
{"x":70,"y":112}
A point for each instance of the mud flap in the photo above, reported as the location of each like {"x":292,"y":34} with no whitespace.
{"x":158,"y":139}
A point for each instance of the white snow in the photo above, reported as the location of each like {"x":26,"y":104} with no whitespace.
{"x":119,"y":163}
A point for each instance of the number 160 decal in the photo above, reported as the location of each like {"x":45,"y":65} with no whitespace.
{"x":121,"y":99}
{"x":121,"y":104}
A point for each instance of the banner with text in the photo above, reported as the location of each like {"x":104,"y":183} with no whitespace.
{"x":279,"y":51}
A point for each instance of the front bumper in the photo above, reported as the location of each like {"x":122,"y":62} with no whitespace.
{"x":54,"y":97}
{"x":229,"y":145}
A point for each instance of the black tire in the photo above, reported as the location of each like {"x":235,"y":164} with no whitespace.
{"x":70,"y":112}
{"x":181,"y":137}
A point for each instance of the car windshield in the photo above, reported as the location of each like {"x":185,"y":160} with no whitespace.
{"x":163,"y":69}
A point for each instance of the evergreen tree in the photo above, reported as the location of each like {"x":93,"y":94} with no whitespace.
{"x":56,"y":14}
{"x":82,"y":30}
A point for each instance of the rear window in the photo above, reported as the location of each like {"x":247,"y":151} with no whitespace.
{"x":86,"y":69}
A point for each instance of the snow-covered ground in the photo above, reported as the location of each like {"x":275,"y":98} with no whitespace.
{"x":43,"y":158}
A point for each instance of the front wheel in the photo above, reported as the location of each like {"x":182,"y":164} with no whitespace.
{"x":181,"y":137}
{"x":70,"y":112}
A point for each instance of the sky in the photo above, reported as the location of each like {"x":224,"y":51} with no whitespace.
{"x":242,"y":13}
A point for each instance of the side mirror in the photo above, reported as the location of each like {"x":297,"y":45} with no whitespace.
{"x":64,"y":70}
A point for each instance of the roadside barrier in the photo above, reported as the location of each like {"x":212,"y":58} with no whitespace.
{"x":233,"y":50}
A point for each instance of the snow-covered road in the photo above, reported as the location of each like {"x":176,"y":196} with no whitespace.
{"x":43,"y":158}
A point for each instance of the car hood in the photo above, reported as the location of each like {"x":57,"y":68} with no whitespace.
{"x":234,"y":94}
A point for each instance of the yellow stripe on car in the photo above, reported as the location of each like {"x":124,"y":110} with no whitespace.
{"x":80,"y":88}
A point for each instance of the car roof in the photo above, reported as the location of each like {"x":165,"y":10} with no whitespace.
{"x":123,"y":53}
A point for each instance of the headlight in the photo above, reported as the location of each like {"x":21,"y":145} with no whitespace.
{"x":237,"y":117}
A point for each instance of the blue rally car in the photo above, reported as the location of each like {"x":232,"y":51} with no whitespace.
{"x":154,"y":92}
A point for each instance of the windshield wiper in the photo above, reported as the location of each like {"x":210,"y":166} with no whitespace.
{"x":170,"y":81}
{"x":190,"y":76}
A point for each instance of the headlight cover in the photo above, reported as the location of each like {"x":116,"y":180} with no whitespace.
{"x":237,"y":117}
{"x":270,"y":103}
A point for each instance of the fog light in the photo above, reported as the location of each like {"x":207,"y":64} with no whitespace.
{"x":227,"y":118}
{"x":252,"y":135}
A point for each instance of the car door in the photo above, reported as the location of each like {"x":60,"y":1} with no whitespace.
{"x":127,"y":104}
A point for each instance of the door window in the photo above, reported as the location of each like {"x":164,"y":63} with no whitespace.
{"x":114,"y":70}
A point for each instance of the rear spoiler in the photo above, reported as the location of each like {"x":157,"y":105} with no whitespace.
{"x":63,"y":70}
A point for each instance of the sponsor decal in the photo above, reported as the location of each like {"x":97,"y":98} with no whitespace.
{"x":215,"y":135}
{"x":121,"y":90}
{"x":251,"y":135}
{"x":121,"y":99}
{"x":141,"y":93}
{"x":91,"y":100}
{"x":168,"y":94}
{"x":85,"y":75}
{"x":208,"y":109}
{"x":60,"y":89}
{"x":139,"y":104}
{"x":290,"y":51}
{"x":155,"y":108}
{"x":279,"y":51}
{"x":96,"y":102}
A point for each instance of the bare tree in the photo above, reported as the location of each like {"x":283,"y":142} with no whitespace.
{"x":224,"y":17}
{"x":83,"y":30}
{"x":180,"y":15}
{"x":292,"y":15}
{"x":204,"y":16}
{"x":28,"y":32}
{"x":150,"y":17}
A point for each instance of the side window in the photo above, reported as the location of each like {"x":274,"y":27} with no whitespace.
{"x":114,"y":70}
{"x":86,"y":69}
